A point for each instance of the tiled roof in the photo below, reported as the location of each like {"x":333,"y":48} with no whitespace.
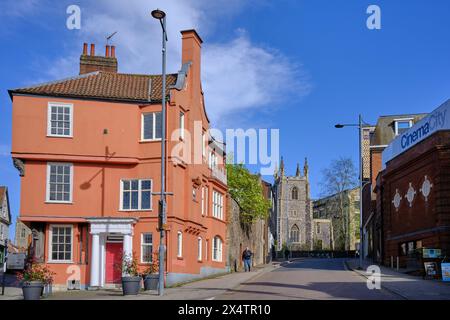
{"x":104,"y":85}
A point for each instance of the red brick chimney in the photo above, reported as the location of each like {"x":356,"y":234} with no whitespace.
{"x":92,"y":63}
{"x":191,"y":48}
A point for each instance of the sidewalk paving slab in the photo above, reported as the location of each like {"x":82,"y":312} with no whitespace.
{"x":407,"y":286}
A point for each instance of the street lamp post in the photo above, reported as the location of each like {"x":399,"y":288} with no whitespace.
{"x":161,"y":16}
{"x":361,"y":236}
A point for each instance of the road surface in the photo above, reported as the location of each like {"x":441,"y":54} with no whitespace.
{"x":308,"y":279}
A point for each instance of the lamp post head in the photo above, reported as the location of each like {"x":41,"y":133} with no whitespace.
{"x":158,"y":14}
{"x":339,"y":126}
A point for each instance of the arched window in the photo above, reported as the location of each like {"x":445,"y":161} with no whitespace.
{"x":295,"y":234}
{"x":217,"y":249}
{"x":294,"y":193}
{"x":180,"y":244}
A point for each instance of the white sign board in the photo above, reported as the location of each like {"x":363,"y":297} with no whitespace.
{"x":437,"y":120}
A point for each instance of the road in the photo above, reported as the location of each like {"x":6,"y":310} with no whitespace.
{"x":308,"y":279}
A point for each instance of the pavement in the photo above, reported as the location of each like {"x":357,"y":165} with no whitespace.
{"x":308,"y":279}
{"x":13,"y":290}
{"x":206,"y":289}
{"x":406,"y":286}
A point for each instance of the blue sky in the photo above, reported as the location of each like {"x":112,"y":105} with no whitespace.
{"x":299,"y":66}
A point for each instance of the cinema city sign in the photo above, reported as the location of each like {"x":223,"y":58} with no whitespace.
{"x":438,"y":120}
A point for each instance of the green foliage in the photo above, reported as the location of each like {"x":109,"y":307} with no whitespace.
{"x":245,"y":188}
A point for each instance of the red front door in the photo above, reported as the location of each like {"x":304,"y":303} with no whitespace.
{"x":113,"y":261}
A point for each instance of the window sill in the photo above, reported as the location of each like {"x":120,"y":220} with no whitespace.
{"x":59,"y":202}
{"x":58,"y":136}
{"x":135,"y":210}
{"x":149,"y":141}
{"x":60,"y":262}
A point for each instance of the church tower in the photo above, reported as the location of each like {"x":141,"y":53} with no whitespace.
{"x":292,"y":214}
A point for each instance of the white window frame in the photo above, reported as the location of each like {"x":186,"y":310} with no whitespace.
{"x":182,"y":124}
{"x":179,"y":244}
{"x":203,"y":201}
{"x":219,"y":257}
{"x":217,"y":205}
{"x":139,"y":194}
{"x":49,"y":119}
{"x":396,"y":121}
{"x":199,"y":249}
{"x":146,"y":244}
{"x":154,"y":126}
{"x":47,"y":196}
{"x":50,"y":243}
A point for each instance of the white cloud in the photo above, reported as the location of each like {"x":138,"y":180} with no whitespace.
{"x":237,"y":75}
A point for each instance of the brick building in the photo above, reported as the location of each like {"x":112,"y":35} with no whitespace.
{"x":88,"y":150}
{"x":413,"y":189}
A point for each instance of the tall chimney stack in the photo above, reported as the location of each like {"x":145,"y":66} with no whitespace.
{"x":91,"y":63}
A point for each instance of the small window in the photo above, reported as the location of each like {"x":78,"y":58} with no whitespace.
{"x":61,"y":243}
{"x":204,"y":145}
{"x":203,"y":201}
{"x":217,"y":249}
{"x":402,"y":126}
{"x":146,"y":248}
{"x":294,"y":193}
{"x":318,"y":228}
{"x":151,"y":126}
{"x":60,"y":120}
{"x":199,"y":249}
{"x":59,"y":182}
{"x":179,"y":244}
{"x":182,"y":125}
{"x":136,"y":194}
{"x":22,"y":233}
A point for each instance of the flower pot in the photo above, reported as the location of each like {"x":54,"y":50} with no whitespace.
{"x":131,"y":285}
{"x":32,"y":290}
{"x":151,"y":282}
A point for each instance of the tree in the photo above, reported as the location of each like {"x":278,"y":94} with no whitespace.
{"x":246,"y":189}
{"x":338,"y":178}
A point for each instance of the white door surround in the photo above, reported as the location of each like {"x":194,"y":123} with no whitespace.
{"x":99,"y":229}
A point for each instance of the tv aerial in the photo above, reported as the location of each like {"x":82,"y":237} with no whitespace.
{"x":108,"y":38}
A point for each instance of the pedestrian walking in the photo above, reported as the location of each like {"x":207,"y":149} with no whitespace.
{"x":247,"y":258}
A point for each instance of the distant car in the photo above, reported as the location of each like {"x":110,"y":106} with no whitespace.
{"x":16,"y":261}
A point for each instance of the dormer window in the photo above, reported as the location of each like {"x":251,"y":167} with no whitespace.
{"x":402,"y":125}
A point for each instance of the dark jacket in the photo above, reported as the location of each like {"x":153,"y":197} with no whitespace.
{"x":247,"y":254}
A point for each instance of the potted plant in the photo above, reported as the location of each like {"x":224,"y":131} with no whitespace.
{"x":150,"y":275}
{"x":131,"y":280}
{"x":34,"y":278}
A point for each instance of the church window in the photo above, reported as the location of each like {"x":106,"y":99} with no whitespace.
{"x":295,"y":234}
{"x":294,"y":193}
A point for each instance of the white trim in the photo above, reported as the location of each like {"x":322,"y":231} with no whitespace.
{"x":182,"y":124}
{"x":47,"y":196}
{"x":199,"y":249}
{"x":179,"y":244}
{"x":49,"y":119}
{"x":154,"y":126}
{"x":50,"y":242}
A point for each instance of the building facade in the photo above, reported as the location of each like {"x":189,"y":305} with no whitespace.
{"x":380,"y":136}
{"x":5,"y":221}
{"x":413,"y":190}
{"x":22,"y":238}
{"x":292,"y":214}
{"x":88,"y":151}
{"x":340,"y":212}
